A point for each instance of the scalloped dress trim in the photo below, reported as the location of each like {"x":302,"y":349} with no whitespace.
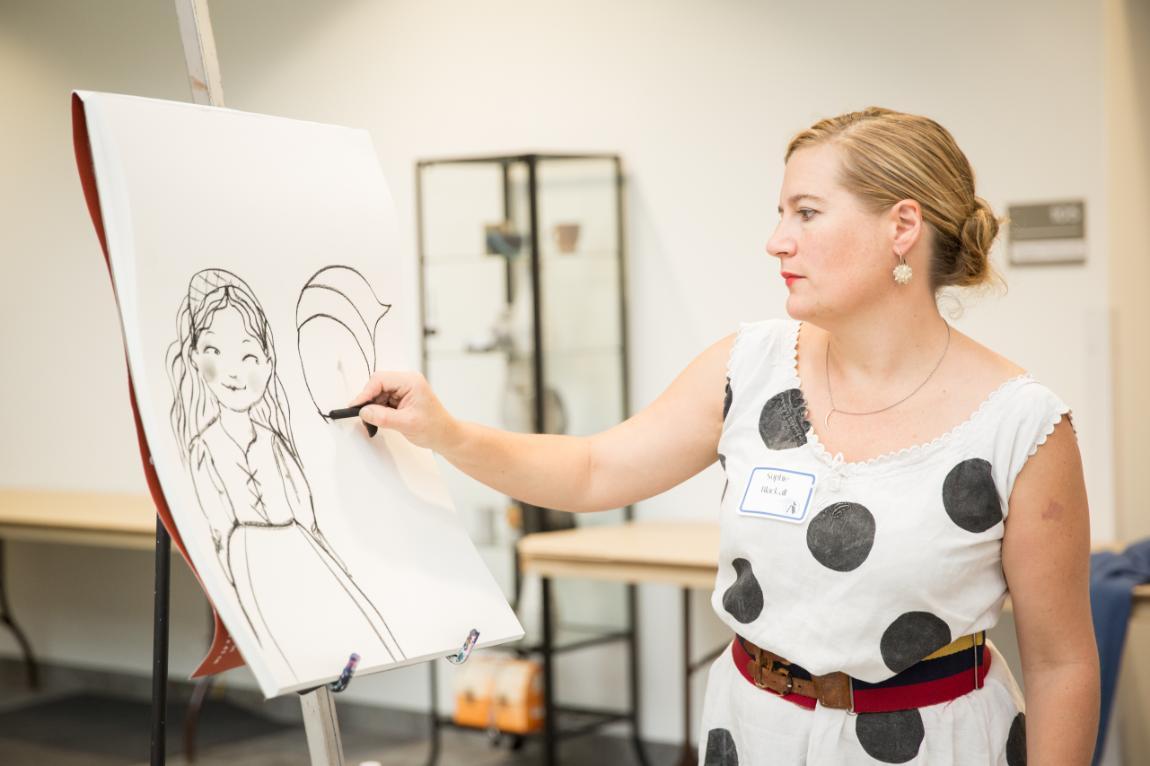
{"x":898,"y":456}
{"x":1055,"y":419}
{"x":739,"y":339}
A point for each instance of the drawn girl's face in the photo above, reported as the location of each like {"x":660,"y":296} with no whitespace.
{"x":231,"y":362}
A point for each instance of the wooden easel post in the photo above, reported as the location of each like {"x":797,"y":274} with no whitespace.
{"x":319,"y":721}
{"x":318,"y":705}
{"x":200,"y":52}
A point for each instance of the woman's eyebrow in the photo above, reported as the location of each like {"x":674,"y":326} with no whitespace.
{"x":796,"y":197}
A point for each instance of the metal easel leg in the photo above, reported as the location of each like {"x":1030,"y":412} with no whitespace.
{"x":550,"y":725}
{"x":160,"y":643}
{"x":633,"y":670}
{"x":30,"y":666}
{"x":192,"y":717}
{"x":688,"y":757}
{"x":196,"y":702}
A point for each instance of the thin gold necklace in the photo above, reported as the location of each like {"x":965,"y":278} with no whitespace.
{"x":827,"y":365}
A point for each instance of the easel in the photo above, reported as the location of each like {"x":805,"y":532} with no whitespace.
{"x":320,"y":723}
{"x":318,"y":704}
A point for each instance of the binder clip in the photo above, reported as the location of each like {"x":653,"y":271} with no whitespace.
{"x":464,"y":652}
{"x":345,"y":675}
{"x":344,"y":679}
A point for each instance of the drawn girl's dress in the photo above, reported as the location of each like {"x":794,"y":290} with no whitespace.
{"x":293,"y":588}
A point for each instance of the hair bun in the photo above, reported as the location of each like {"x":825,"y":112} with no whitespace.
{"x":979,"y":231}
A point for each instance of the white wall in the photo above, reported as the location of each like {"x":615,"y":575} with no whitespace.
{"x":1128,"y":118}
{"x":698,"y":97}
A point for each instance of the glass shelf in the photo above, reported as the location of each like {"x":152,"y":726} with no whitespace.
{"x":521,"y":262}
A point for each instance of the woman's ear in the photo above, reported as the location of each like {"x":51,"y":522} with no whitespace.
{"x":906,"y":216}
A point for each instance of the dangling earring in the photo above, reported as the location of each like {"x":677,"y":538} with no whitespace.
{"x":902,"y":272}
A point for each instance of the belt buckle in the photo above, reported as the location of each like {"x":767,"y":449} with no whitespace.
{"x":769,"y":667}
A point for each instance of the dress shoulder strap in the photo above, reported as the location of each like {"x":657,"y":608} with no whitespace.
{"x":1026,"y":418}
{"x":760,"y":348}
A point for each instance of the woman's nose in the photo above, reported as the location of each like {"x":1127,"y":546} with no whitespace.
{"x":779,"y":245}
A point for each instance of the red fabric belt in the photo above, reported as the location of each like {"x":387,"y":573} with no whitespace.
{"x":891,"y":698}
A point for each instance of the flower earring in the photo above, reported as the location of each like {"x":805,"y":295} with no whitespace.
{"x":902,"y":272}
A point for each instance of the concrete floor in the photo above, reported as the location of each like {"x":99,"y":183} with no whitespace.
{"x":290,"y":749}
{"x":74,"y":721}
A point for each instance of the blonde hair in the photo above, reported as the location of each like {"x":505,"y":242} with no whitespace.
{"x":888,"y":156}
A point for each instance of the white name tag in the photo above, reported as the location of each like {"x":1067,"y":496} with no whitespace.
{"x":778,"y":493}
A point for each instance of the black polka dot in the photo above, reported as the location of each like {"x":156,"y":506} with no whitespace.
{"x":744,"y":599}
{"x":970,"y":497}
{"x":727,"y":481}
{"x":841,"y":536}
{"x":783,"y":423}
{"x":893,"y":737}
{"x":727,"y":399}
{"x":912,"y":636}
{"x":720,"y":749}
{"x":1016,"y":742}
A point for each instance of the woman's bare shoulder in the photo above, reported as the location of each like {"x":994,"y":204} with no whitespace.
{"x":985,"y":365}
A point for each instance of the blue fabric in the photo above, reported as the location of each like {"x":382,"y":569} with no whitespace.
{"x":1112,"y":578}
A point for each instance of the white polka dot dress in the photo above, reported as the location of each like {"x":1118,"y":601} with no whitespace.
{"x":862,"y":567}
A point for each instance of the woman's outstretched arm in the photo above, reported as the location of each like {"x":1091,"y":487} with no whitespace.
{"x":669,"y":441}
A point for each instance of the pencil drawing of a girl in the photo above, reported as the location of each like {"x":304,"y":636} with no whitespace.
{"x":231,"y":419}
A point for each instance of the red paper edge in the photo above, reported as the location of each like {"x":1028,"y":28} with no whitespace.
{"x":222,"y":654}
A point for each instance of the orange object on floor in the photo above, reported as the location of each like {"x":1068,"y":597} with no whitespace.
{"x":500,"y":693}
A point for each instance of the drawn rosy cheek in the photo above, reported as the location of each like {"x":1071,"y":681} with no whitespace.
{"x":258,"y":378}
{"x":208,"y":370}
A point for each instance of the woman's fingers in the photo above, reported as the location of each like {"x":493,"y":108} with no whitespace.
{"x":378,"y":415}
{"x":382,"y":386}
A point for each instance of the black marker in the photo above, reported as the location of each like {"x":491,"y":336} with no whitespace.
{"x":352,"y":412}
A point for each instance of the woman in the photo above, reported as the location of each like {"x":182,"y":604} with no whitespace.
{"x":230,"y":416}
{"x":885,"y":482}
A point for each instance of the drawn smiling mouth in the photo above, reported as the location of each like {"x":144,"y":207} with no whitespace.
{"x":234,"y":388}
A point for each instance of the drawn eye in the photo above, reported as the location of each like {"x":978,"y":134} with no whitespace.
{"x":252,"y":357}
{"x":211,"y":350}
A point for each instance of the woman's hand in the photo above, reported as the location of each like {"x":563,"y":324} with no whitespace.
{"x":404,"y":402}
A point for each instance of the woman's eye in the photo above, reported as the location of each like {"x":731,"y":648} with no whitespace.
{"x":806,"y":213}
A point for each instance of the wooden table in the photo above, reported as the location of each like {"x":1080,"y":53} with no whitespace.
{"x":76,"y":518}
{"x":681,"y":553}
{"x":114,"y":520}
{"x":684,"y":553}
{"x":79,"y":518}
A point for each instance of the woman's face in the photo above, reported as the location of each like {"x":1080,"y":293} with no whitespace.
{"x":232,"y":362}
{"x":841,"y":253}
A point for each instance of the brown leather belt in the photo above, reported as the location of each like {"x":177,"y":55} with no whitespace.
{"x":771,"y":672}
{"x":949,"y":672}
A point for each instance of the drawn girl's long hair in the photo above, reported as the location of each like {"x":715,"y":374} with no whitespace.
{"x":194,"y":407}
